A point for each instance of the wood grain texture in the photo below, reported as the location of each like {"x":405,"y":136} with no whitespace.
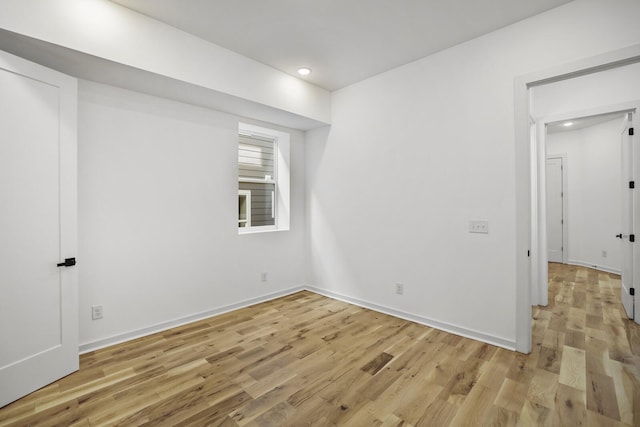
{"x":308,"y":360}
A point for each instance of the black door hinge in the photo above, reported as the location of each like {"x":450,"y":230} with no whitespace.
{"x":631,"y":131}
{"x":68,"y":262}
{"x":529,"y":253}
{"x":632,"y":291}
{"x":632,"y":184}
{"x":632,"y":237}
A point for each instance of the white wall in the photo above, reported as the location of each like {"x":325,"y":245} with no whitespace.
{"x":593,"y":193}
{"x":415,"y":153}
{"x":158,"y":215}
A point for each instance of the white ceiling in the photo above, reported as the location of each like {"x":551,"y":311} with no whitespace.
{"x":584,"y":122}
{"x":342,"y":41}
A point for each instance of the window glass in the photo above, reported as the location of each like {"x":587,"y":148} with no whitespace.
{"x":257,"y":181}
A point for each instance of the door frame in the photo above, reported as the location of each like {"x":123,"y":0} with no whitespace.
{"x":526,"y":167}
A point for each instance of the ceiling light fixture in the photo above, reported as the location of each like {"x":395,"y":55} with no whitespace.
{"x":304,"y":71}
{"x":568,"y":124}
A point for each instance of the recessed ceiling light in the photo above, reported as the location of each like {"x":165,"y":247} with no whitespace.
{"x":304,"y":71}
{"x":567,"y":124}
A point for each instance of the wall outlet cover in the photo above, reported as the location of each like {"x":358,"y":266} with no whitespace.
{"x":96,"y":312}
{"x":481,"y":227}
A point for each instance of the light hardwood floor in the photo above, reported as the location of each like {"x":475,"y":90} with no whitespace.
{"x":309,"y":360}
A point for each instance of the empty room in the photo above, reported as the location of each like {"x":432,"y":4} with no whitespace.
{"x":319,"y":212}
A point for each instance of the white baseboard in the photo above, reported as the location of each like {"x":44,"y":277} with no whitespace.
{"x":163,"y":326}
{"x":443,"y":326}
{"x":604,"y":268}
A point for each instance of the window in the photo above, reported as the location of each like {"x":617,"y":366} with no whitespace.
{"x":263,"y":179}
{"x":256,"y":180}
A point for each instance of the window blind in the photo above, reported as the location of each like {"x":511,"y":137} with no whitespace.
{"x":257,"y":177}
{"x":256,"y":158}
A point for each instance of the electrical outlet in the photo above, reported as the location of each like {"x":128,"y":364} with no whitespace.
{"x":399,"y":288}
{"x":96,"y":312}
{"x":479,"y":227}
{"x":263,"y":277}
{"x":604,"y":254}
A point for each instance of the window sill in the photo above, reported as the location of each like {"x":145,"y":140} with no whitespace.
{"x":259,"y":231}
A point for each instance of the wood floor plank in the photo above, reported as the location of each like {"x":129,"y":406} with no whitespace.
{"x":627,"y":387}
{"x":475,"y":407}
{"x":305,"y":359}
{"x":377,"y":363}
{"x":570,"y":407}
{"x":543,"y":388}
{"x":438,"y":413}
{"x":393,"y":421}
{"x":596,"y":419}
{"x":575,"y":339}
{"x":597,"y":355}
{"x":215,"y":413}
{"x":415,"y":397}
{"x":601,"y":395}
{"x":266,"y":402}
{"x":499,"y":416}
{"x":573,"y":368}
{"x":462,"y":382}
{"x":550,"y":359}
{"x":535,"y":414}
{"x":277,"y":415}
{"x":512,"y":396}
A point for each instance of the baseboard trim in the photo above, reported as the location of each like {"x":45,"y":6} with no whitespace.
{"x":594,"y":266}
{"x":443,"y":326}
{"x":163,"y":326}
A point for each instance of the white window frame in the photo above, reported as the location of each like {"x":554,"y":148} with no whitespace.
{"x":247,"y":195}
{"x":281,"y":205}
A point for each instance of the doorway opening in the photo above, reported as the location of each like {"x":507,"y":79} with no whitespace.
{"x":531,"y":159}
{"x":583,"y":192}
{"x":595,"y":203}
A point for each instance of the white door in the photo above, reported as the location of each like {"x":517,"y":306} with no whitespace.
{"x":38,"y":227}
{"x":554,"y":209}
{"x":628,"y":217}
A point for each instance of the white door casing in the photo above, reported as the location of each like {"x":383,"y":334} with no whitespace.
{"x":635,"y":218}
{"x":38,"y":226}
{"x":554,"y":209}
{"x":628,"y":216}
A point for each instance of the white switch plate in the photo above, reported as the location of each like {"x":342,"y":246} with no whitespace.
{"x":479,"y":227}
